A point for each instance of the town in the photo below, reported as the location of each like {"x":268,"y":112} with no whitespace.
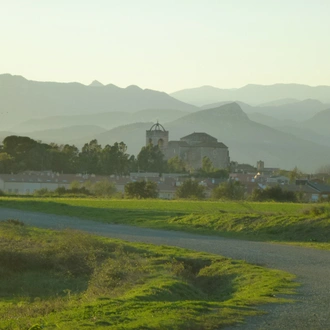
{"x":198,"y":157}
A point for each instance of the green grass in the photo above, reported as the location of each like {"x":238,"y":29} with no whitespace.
{"x":73,"y":280}
{"x":186,"y":206}
{"x":302,"y":224}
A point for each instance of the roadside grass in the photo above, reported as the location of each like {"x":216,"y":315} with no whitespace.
{"x":302,"y":224}
{"x":185,"y":206}
{"x":73,"y":280}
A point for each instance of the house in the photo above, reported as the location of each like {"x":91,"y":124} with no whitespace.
{"x":242,"y":177}
{"x":235,"y":167}
{"x":28,"y":182}
{"x":322,"y":191}
{"x":280,"y":179}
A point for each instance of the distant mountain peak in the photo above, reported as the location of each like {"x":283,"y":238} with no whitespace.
{"x":96,"y":83}
{"x":134,"y":88}
{"x":232,"y":110}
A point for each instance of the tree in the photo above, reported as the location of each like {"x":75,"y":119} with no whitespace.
{"x":141,"y":189}
{"x":115,"y":160}
{"x":89,"y":158}
{"x":295,"y":174}
{"x":6,"y":162}
{"x":151,"y":159}
{"x":207,"y":170}
{"x":27,"y":153}
{"x":65,"y":158}
{"x":207,"y":165}
{"x":232,"y":190}
{"x":325,"y":169}
{"x":190,"y":189}
{"x":177,"y":165}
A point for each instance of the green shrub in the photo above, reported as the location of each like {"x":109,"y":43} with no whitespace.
{"x":141,"y":189}
{"x":190,"y":189}
{"x":231,"y":190}
{"x":276,"y":194}
{"x":316,"y":210}
{"x":103,"y":189}
{"x":41,"y":192}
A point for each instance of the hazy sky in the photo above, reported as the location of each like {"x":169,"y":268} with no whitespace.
{"x":167,"y":45}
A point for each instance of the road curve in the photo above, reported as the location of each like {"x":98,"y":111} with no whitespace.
{"x":311,"y":266}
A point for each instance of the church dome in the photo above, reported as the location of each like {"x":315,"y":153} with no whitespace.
{"x":157,"y":127}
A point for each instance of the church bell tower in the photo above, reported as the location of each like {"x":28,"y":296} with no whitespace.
{"x":157,"y":135}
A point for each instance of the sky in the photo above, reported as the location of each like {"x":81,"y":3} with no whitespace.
{"x":167,"y":45}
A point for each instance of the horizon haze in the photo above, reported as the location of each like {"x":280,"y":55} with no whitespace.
{"x":167,"y":46}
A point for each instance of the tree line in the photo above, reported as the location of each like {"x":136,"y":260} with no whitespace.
{"x":18,"y":154}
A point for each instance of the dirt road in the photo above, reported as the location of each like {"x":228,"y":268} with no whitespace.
{"x":311,"y":266}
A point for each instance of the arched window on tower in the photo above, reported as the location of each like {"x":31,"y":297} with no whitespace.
{"x":160,"y":143}
{"x":150,"y":140}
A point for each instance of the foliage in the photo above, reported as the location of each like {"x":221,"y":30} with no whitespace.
{"x":317,"y":210}
{"x":295,"y":174}
{"x":22,"y":153}
{"x":207,"y":165}
{"x":103,"y":189}
{"x":97,"y":283}
{"x":275,"y":193}
{"x":6,"y":162}
{"x":99,"y":189}
{"x":41,"y":192}
{"x":190,"y":189}
{"x":232,"y":190}
{"x":177,"y":165}
{"x":208,"y":171}
{"x":220,"y":174}
{"x":141,"y":189}
{"x":151,"y":159}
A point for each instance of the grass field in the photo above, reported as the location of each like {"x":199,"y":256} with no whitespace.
{"x":72,"y":280}
{"x":304,"y":224}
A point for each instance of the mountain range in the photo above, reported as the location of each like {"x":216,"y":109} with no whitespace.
{"x":248,"y":141}
{"x":253,"y":94}
{"x":284,"y":131}
{"x":22,"y":99}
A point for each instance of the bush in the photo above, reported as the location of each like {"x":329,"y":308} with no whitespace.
{"x":141,"y":189}
{"x":103,"y":188}
{"x":41,"y":192}
{"x":190,"y":189}
{"x":232,"y":190}
{"x":317,"y":210}
{"x":60,"y":191}
{"x":276,"y":194}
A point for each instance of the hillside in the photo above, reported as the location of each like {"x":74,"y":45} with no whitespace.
{"x":64,"y":135}
{"x":249,"y":141}
{"x":133,"y":135}
{"x":253,"y":94}
{"x":320,"y":122}
{"x":303,"y":130}
{"x":107,"y":120}
{"x":22,"y":99}
{"x":298,"y":111}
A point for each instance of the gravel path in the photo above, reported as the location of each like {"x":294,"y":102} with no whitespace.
{"x":311,"y":266}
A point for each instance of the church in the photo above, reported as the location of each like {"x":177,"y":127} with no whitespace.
{"x":191,"y":148}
